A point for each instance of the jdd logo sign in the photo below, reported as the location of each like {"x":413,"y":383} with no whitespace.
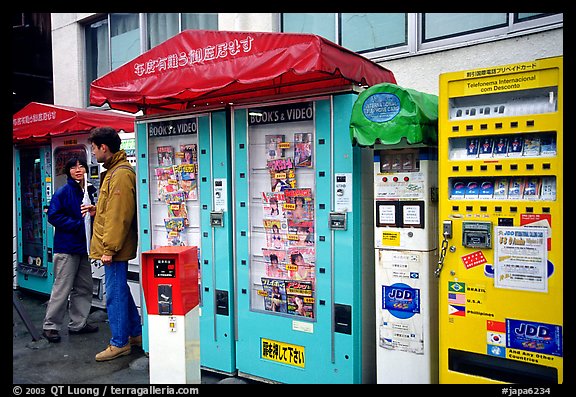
{"x":533,"y":336}
{"x":401,"y":300}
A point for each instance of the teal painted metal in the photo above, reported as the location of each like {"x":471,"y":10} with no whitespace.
{"x":29,"y":281}
{"x":217,"y":344}
{"x":330,"y":357}
{"x":144,"y":205}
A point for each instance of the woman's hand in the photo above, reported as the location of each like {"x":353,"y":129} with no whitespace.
{"x":88,"y":209}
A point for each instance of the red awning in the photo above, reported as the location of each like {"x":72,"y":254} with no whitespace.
{"x":205,"y":67}
{"x":37,"y":122}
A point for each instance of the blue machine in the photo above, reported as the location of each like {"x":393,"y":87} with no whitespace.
{"x":305,"y":296}
{"x":191,"y":153}
{"x":33,"y":193}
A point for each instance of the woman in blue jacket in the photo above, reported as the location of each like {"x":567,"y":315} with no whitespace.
{"x":72,"y":270}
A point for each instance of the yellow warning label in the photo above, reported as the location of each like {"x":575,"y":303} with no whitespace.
{"x":391,"y":238}
{"x":282,"y":352}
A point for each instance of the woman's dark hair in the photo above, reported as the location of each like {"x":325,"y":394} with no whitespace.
{"x":72,"y":163}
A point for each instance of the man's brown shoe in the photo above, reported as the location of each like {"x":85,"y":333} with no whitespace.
{"x":136,"y":341}
{"x":113,"y":352}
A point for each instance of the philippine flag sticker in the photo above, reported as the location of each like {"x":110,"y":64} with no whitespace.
{"x":456,"y":310}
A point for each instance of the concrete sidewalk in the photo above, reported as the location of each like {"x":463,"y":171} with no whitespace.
{"x":72,"y":360}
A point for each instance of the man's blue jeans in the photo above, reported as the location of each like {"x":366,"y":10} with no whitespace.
{"x":123,"y":315}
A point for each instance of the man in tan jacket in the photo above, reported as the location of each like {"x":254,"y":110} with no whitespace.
{"x":115,"y":240}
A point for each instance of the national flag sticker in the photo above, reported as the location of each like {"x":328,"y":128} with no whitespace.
{"x":456,"y":310}
{"x":496,"y":350}
{"x":458,"y":299}
{"x":496,"y":338}
{"x":454,"y":286}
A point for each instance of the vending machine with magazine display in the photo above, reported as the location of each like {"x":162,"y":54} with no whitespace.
{"x":302,"y":282}
{"x":501,"y":270}
{"x":183,"y":174}
{"x":301,"y":319}
{"x":33,"y":193}
{"x":46,"y":136}
{"x":401,"y":125}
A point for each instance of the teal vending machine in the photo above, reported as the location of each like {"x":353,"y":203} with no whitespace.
{"x":34,"y":237}
{"x":303,"y":256}
{"x":183,"y":200}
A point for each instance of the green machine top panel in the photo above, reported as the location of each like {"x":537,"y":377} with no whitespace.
{"x":386,"y":113}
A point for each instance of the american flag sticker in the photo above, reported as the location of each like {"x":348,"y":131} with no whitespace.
{"x":473,"y":259}
{"x":458,"y":299}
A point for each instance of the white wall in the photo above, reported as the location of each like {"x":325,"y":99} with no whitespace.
{"x":422,"y":72}
{"x":418,"y":72}
{"x":68,"y":59}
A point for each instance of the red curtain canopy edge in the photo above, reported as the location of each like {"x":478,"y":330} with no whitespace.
{"x":38,"y":122}
{"x":229,"y":65}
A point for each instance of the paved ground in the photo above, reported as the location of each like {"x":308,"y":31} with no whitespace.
{"x":72,"y":360}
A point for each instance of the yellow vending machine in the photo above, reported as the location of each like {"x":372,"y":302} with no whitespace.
{"x":500,"y":192}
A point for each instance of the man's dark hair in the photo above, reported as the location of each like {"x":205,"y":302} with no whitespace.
{"x":105,"y":135}
{"x":72,"y":163}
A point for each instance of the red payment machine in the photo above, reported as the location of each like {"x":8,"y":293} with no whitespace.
{"x":170,"y":285}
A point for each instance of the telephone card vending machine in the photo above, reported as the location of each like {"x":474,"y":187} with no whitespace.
{"x":501,"y":211}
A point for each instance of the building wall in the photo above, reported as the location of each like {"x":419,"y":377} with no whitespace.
{"x":418,"y":72}
{"x":423,"y":72}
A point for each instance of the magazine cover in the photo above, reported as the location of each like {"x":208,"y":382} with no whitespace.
{"x":501,"y":188}
{"x":515,"y":144}
{"x":282,"y":174}
{"x":532,"y":188}
{"x":185,"y":174}
{"x":165,"y":156}
{"x":458,"y":190}
{"x":531,"y":146}
{"x":472,"y":147}
{"x":273,"y":149}
{"x":174,"y":229}
{"x":548,"y":189}
{"x":301,"y":263}
{"x":276,"y":230}
{"x":189,"y":154}
{"x":177,"y":209}
{"x":166,"y":182}
{"x":273,"y":205}
{"x":548,"y":144}
{"x":516,"y":188}
{"x":486,"y":190}
{"x":299,"y":297}
{"x":472,"y":190}
{"x":300,"y":233}
{"x":275,"y":262}
{"x":274,"y":293}
{"x":299,"y":204}
{"x":486,"y":147}
{"x":303,"y":149}
{"x":500,"y":147}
